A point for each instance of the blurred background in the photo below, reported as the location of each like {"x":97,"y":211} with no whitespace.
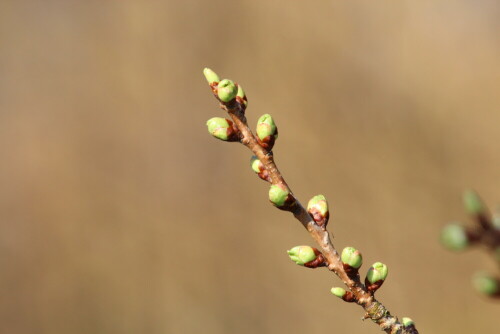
{"x":120,"y":214}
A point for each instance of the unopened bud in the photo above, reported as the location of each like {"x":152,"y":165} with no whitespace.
{"x":259,"y":169}
{"x":280,"y":196}
{"x":474,"y":205}
{"x":211,"y":76}
{"x":339,"y":292}
{"x":306,"y":256}
{"x":376,"y":276}
{"x":267,"y":132}
{"x":318,"y":209}
{"x":257,"y":165}
{"x":241,"y":97}
{"x":352,"y":259}
{"x":222,"y":129}
{"x":343,"y":294}
{"x":226,"y":90}
{"x":486,"y":284}
{"x":454,"y":237}
{"x":407,"y":322}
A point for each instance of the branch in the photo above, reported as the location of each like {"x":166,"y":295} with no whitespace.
{"x":485,"y":232}
{"x":233,"y":100}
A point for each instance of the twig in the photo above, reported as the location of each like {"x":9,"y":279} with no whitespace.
{"x":485,"y":232}
{"x":233,"y":100}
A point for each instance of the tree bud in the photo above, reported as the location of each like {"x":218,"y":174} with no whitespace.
{"x":258,"y":167}
{"x":256,"y":164}
{"x":211,"y":76}
{"x":280,"y":196}
{"x":486,"y":284}
{"x":474,"y":205}
{"x":222,"y":129}
{"x":339,"y":292}
{"x":226,"y":90}
{"x":343,"y":294}
{"x":306,"y":256}
{"x":241,"y":97}
{"x":407,"y":322}
{"x":267,"y":132}
{"x":376,"y":276}
{"x":318,"y":209}
{"x":352,"y":259}
{"x":454,"y":237}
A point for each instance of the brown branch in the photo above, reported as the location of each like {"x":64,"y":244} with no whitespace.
{"x":374,"y":310}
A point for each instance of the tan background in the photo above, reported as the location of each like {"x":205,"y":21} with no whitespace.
{"x":119,"y":213}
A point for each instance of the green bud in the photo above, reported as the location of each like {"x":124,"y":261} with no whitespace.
{"x":302,"y":254}
{"x":226,"y":90}
{"x":352,"y":257}
{"x":474,"y":205}
{"x":266,"y":127}
{"x":256,"y":164}
{"x":377,"y":272}
{"x":219,"y":127}
{"x":339,"y":292}
{"x":485,"y":284}
{"x":319,"y":203}
{"x":241,"y":92}
{"x":454,"y":237}
{"x":278,"y":195}
{"x":318,"y":209}
{"x":210,"y":75}
{"x":407,"y":322}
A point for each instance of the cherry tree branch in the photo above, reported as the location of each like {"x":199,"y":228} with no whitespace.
{"x":485,"y":233}
{"x":233,"y":100}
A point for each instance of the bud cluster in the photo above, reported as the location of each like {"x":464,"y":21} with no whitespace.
{"x":226,"y":90}
{"x":352,"y":261}
{"x":485,"y":231}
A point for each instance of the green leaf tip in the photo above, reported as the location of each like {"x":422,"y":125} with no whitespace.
{"x":474,"y":205}
{"x":352,"y":257}
{"x":226,"y":90}
{"x":377,"y":272}
{"x":278,"y":195}
{"x":407,"y":322}
{"x":454,"y":237}
{"x":485,"y":284}
{"x":219,"y":127}
{"x":266,"y":127}
{"x":302,"y":254}
{"x":339,"y":292}
{"x":211,"y":76}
